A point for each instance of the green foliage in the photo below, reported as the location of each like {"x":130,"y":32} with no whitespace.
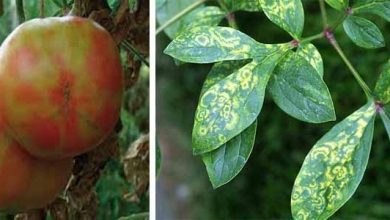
{"x":288,"y":14}
{"x":334,"y":167}
{"x":310,"y":53}
{"x":338,"y":4}
{"x":382,"y":88}
{"x":298,"y":89}
{"x":363,"y":32}
{"x":245,"y":5}
{"x":377,"y":7}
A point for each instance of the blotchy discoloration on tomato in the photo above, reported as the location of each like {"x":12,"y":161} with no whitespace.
{"x":26,"y":182}
{"x":62,"y":82}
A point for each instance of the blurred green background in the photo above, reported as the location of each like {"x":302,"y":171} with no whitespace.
{"x":112,"y":188}
{"x":262,"y":190}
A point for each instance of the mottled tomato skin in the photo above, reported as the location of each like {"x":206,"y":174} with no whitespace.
{"x":26,"y":182}
{"x":61,"y":85}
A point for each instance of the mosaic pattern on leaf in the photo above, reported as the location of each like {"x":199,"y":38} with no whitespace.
{"x":287,"y":14}
{"x":206,"y":44}
{"x":224,"y":163}
{"x":204,"y":16}
{"x":231,"y":105}
{"x":245,"y":5}
{"x":382,"y":88}
{"x":298,"y":89}
{"x":313,"y":56}
{"x":334,"y":167}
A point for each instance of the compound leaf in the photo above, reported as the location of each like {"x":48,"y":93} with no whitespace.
{"x":288,"y":14}
{"x":363,"y":32}
{"x":338,"y":4}
{"x":169,"y":8}
{"x":334,"y":167}
{"x":377,"y":7}
{"x":311,"y":54}
{"x":224,"y":163}
{"x":244,"y":5}
{"x":382,"y":88}
{"x":231,"y":105}
{"x":214,"y":44}
{"x":299,"y":90}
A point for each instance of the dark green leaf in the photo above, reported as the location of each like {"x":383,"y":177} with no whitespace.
{"x":363,"y":32}
{"x":338,"y":4}
{"x":231,"y":105}
{"x":214,"y":44}
{"x":311,"y":54}
{"x":168,"y":9}
{"x":298,"y":89}
{"x":382,"y":88}
{"x":288,"y":14}
{"x":334,"y":167}
{"x":224,"y":163}
{"x":245,"y":5}
{"x":377,"y":7}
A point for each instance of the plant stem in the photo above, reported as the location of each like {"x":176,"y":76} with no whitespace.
{"x":311,"y":38}
{"x":41,"y":8}
{"x":20,"y":11}
{"x":130,"y":48}
{"x":338,"y":22}
{"x":323,"y":13}
{"x":231,"y":19}
{"x":179,"y":15}
{"x":354,"y":72}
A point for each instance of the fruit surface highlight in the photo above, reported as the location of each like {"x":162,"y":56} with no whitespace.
{"x":61,"y":84}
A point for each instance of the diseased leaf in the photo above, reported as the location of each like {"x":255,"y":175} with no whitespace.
{"x":214,"y":44}
{"x":338,"y":4}
{"x":311,"y":54}
{"x":204,"y":16}
{"x":288,"y":14}
{"x":363,"y":32}
{"x":245,"y":5}
{"x":231,"y":105}
{"x":382,"y":88}
{"x":334,"y":167}
{"x":168,"y":9}
{"x":299,"y":90}
{"x":377,"y":7}
{"x":224,"y":163}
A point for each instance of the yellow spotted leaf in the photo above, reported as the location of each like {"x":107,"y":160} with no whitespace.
{"x":338,"y":4}
{"x":313,"y":56}
{"x":231,"y":105}
{"x":382,"y":88}
{"x":334,"y":167}
{"x":287,"y":14}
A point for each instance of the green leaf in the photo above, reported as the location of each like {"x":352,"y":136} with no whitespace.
{"x":224,"y":163}
{"x":385,"y":114}
{"x":377,"y":7}
{"x":382,"y":88}
{"x":288,"y":14}
{"x":214,"y":44}
{"x":300,"y":91}
{"x":338,"y":4}
{"x":244,"y":5}
{"x":231,"y":105}
{"x":334,"y":167}
{"x":205,"y":16}
{"x":311,"y":54}
{"x":363,"y":32}
{"x":168,"y":9}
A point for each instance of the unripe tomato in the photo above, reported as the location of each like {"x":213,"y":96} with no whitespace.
{"x":61,"y":86}
{"x":26,"y":182}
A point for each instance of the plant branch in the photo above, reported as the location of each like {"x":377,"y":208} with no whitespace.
{"x":179,"y":15}
{"x":311,"y":38}
{"x":231,"y":19}
{"x":323,"y":13}
{"x":20,"y":11}
{"x":131,"y":49}
{"x":329,"y":35}
{"x":338,"y":22}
